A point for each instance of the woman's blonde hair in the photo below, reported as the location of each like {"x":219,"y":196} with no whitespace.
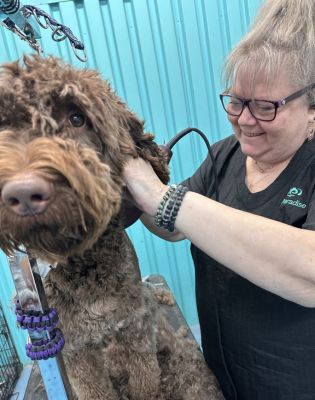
{"x":282,"y":39}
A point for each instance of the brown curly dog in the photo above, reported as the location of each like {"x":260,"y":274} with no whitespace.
{"x":64,"y":138}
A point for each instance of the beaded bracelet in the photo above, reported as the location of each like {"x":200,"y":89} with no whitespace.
{"x":159,"y":212}
{"x":168,"y":208}
{"x":173,"y":207}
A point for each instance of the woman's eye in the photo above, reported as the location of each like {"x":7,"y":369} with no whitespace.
{"x":77,"y":120}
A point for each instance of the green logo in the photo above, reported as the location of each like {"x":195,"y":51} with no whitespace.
{"x":292,"y":193}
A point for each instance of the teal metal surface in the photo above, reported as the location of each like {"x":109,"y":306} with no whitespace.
{"x":163,"y":57}
{"x":54,"y":387}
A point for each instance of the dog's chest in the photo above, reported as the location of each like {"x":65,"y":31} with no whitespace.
{"x":92,"y":307}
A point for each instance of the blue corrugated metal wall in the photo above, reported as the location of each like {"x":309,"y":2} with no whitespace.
{"x":163,"y":57}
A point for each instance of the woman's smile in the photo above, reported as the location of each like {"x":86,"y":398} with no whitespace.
{"x":252,"y":134}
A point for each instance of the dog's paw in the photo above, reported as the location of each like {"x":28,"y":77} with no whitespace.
{"x":164,"y":296}
{"x":182,"y":331}
{"x":160,"y":290}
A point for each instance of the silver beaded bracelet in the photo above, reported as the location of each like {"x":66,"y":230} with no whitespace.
{"x":167,"y":210}
{"x":159,"y":212}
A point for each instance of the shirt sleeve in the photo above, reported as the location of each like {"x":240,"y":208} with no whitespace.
{"x":203,"y":180}
{"x":198,"y":181}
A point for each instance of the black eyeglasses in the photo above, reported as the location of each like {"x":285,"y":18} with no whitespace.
{"x":263,"y":110}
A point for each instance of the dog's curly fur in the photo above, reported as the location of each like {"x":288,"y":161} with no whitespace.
{"x":67,"y":128}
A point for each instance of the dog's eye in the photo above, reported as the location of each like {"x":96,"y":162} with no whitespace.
{"x":77,"y":120}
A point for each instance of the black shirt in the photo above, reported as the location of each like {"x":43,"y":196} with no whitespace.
{"x":259,"y":345}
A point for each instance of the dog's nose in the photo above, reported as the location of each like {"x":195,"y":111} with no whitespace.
{"x":27,"y":195}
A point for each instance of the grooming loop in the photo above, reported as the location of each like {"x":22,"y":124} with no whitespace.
{"x":60,"y":31}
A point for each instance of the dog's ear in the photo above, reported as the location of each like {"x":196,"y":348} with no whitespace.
{"x":120,"y":130}
{"x":147,"y":148}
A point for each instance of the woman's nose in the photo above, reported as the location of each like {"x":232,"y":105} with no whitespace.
{"x":246,"y":118}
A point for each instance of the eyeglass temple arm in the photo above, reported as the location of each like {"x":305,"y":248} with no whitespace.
{"x":295,"y":95}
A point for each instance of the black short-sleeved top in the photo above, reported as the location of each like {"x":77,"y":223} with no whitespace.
{"x":259,"y":345}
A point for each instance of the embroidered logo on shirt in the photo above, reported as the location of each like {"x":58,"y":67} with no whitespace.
{"x":293,"y":192}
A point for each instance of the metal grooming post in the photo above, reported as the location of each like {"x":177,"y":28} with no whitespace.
{"x":30,"y":291}
{"x":11,"y":9}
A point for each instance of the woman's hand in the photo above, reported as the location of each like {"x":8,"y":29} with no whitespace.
{"x":144,"y":185}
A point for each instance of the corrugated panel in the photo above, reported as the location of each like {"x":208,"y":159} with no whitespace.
{"x":163,"y":57}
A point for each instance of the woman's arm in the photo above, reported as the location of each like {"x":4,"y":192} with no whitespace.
{"x":148,"y":222}
{"x":275,"y":256}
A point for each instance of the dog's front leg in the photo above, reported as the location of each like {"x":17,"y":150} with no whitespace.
{"x":144,"y":376}
{"x":88,"y":375}
{"x":141,"y":369}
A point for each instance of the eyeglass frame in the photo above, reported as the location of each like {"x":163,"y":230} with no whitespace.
{"x":277,"y":103}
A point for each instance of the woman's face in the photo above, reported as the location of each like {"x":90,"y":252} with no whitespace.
{"x":277,"y":140}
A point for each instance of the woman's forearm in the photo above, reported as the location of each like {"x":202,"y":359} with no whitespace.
{"x":149,"y":223}
{"x":272,"y":255}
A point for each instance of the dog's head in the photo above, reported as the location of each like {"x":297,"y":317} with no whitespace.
{"x":64,"y":138}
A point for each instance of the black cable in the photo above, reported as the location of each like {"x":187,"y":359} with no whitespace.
{"x":183,"y":133}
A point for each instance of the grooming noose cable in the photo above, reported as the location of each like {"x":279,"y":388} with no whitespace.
{"x":183,"y":133}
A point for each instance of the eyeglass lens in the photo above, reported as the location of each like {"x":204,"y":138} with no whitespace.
{"x":261,"y":109}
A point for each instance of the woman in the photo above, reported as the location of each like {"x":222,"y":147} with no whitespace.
{"x":254,"y":249}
